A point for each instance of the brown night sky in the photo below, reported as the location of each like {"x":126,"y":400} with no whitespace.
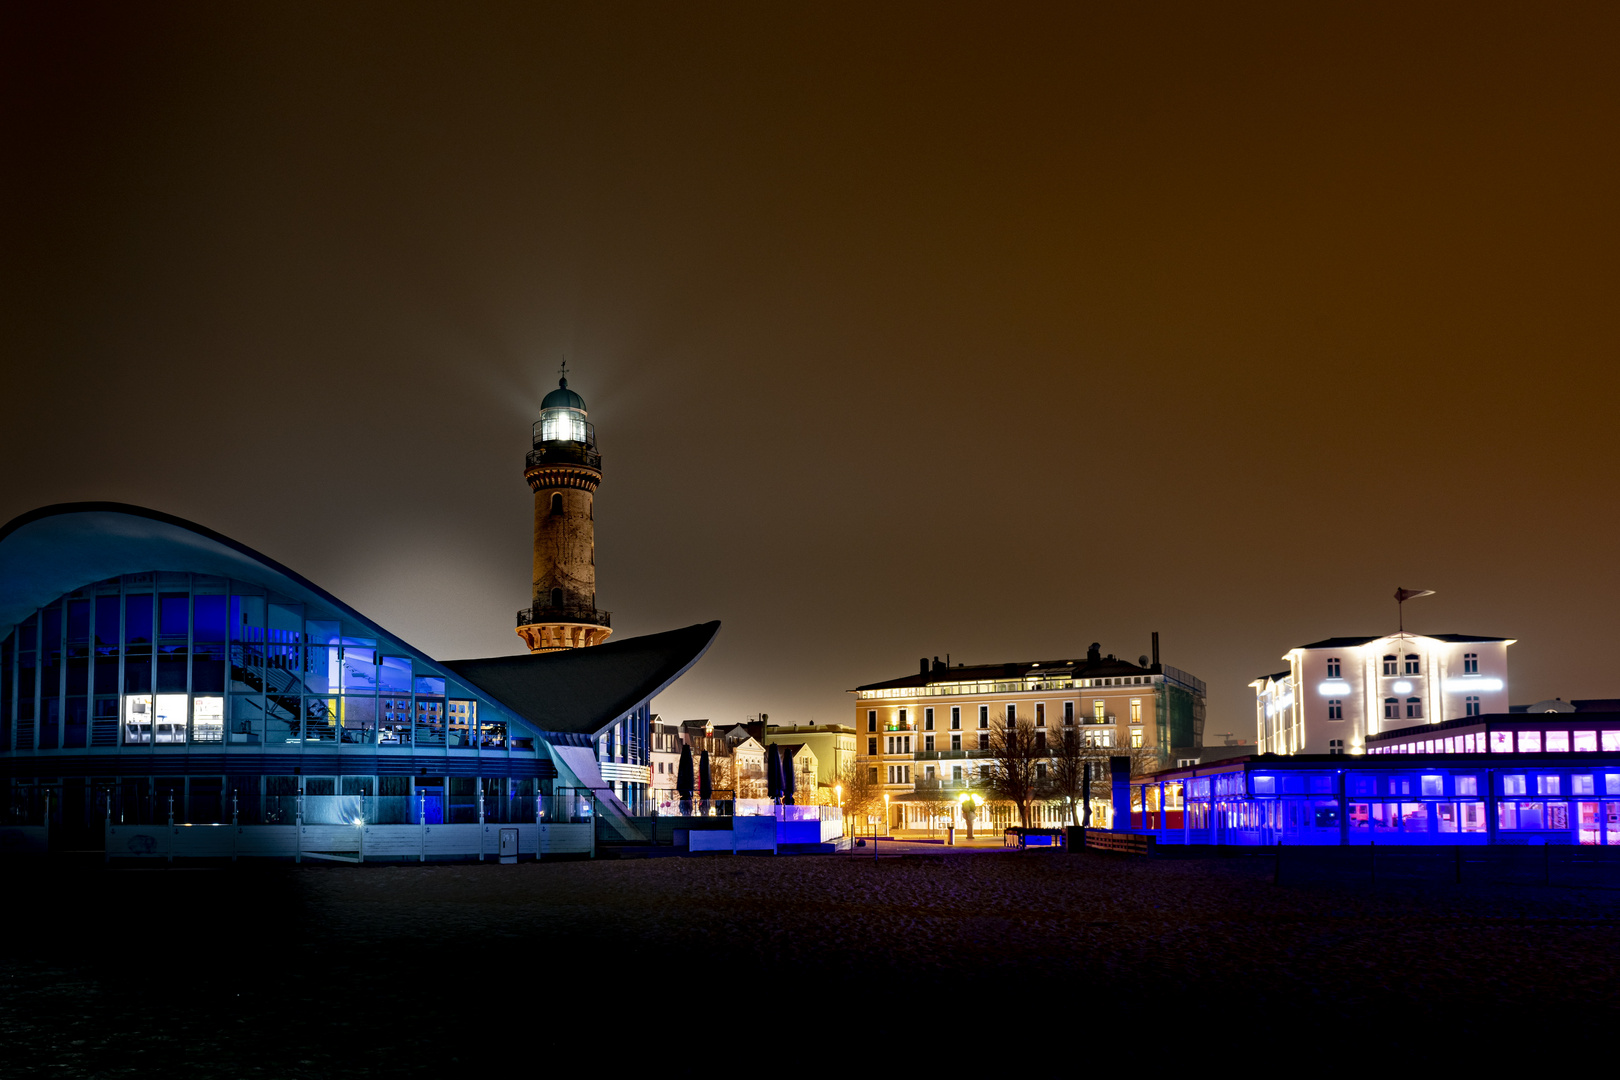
{"x":988,"y":329}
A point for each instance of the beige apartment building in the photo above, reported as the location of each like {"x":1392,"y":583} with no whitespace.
{"x":935,"y":725}
{"x":833,"y":746}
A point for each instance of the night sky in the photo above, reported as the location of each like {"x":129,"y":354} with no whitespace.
{"x":990,"y":329}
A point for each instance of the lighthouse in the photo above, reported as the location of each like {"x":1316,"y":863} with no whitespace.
{"x":563,"y":470}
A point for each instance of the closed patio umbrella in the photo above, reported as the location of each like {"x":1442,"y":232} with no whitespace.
{"x":773,"y":772}
{"x":788,"y":784}
{"x":683,"y":780}
{"x":705,"y":780}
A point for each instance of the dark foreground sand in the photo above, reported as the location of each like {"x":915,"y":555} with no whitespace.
{"x":328,"y":971}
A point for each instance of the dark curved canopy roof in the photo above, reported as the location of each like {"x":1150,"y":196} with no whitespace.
{"x":563,"y":398}
{"x":572,"y":690}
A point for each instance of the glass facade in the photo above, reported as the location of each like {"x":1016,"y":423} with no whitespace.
{"x":155,"y":661}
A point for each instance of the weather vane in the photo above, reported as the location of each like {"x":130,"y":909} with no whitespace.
{"x":563,"y":371}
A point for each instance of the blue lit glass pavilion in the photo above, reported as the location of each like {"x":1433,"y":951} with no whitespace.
{"x":155,"y":672}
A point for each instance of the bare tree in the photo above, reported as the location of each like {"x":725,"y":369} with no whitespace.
{"x":862,"y":795}
{"x":1018,"y":756}
{"x":1067,"y":773}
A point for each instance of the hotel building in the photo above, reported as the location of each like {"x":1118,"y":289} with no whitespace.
{"x":1338,"y":692}
{"x":935,"y":726}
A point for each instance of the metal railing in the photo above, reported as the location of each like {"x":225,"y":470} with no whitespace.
{"x":563,"y":454}
{"x":565,"y":614}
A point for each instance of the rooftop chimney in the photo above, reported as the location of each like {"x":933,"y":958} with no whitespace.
{"x":1155,"y":650}
{"x":922,"y":665}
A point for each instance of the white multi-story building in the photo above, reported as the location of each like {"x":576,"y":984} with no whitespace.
{"x":1338,"y":691}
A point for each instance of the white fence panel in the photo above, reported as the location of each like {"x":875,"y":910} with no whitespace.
{"x":202,"y":841}
{"x":24,"y":840}
{"x":267,"y":840}
{"x":564,"y":839}
{"x":450,"y":840}
{"x":392,"y":841}
{"x":330,"y":838}
{"x":138,"y":841}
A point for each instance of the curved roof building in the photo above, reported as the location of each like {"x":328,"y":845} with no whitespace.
{"x":155,"y":671}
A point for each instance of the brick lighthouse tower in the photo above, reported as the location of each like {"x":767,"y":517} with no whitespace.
{"x":563,"y":470}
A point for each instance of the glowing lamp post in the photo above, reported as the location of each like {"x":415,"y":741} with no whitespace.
{"x":971,"y":802}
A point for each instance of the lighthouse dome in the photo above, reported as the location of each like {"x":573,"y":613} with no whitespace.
{"x":563,"y":398}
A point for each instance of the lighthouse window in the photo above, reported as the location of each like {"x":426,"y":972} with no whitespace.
{"x":556,"y":502}
{"x":556,"y":598}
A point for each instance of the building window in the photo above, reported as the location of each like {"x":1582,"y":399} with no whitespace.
{"x":902,"y":718}
{"x":1068,"y":713}
{"x":872,"y":774}
{"x":1471,"y":663}
{"x":956,"y":717}
{"x":888,"y":744}
{"x":871,"y":720}
{"x":928,"y":743}
{"x":956,"y":773}
{"x":1099,"y":711}
{"x":1471,"y":704}
{"x":871,"y":747}
{"x":1392,"y":708}
{"x":1333,"y":667}
{"x":1391,"y":666}
{"x":1414,"y":708}
{"x":1040,"y":714}
{"x":984,"y":740}
{"x":1335,"y":746}
{"x":1411,"y":664}
{"x":1012,"y":714}
{"x":984,"y":716}
{"x":1040,"y":740}
{"x":1136,"y":740}
{"x":1040,"y":770}
{"x":1335,"y":709}
{"x":1136,"y":710}
{"x":956,"y":742}
{"x":928,"y":719}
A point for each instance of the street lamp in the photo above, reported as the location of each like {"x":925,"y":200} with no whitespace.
{"x":885,"y":813}
{"x":971,"y":801}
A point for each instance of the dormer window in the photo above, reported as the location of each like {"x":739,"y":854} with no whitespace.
{"x":1411,"y":664}
{"x":1471,"y":663}
{"x":1333,"y":667}
{"x":1391,"y":666}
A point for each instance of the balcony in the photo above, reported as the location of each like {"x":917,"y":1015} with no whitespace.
{"x":534,"y":615}
{"x":951,"y":755}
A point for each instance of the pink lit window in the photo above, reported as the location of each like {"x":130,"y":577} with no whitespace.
{"x":1501,"y":742}
{"x":1586,"y":742}
{"x":1529,"y":742}
{"x":1611,"y":740}
{"x":1557,"y":742}
{"x":1451,"y":745}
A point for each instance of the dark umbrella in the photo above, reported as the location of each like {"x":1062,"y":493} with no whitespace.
{"x":705,"y":778}
{"x":788,"y":784}
{"x":773,"y":773}
{"x":683,"y":779}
